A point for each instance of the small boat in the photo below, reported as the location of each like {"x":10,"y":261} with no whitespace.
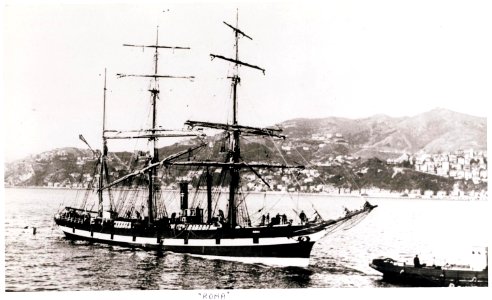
{"x":429,"y":276}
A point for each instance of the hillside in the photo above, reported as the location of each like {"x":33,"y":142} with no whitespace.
{"x":338,"y":147}
{"x":438,"y":130}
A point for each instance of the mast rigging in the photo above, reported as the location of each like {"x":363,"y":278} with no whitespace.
{"x":153,"y":161}
{"x":234,"y":163}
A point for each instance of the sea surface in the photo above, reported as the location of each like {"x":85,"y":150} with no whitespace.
{"x":439,"y":231}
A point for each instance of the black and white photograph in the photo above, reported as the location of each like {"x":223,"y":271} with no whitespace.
{"x":241,"y":149}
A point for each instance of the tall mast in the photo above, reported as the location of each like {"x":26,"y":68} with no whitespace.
{"x":235,"y":163}
{"x":235,"y":78}
{"x":234,"y":184}
{"x":104,"y":153}
{"x":152,"y":171}
{"x":154,"y":91}
{"x":234,"y":141}
{"x":155,"y":155}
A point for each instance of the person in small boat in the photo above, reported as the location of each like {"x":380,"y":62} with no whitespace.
{"x":303,"y":217}
{"x":416,"y":262}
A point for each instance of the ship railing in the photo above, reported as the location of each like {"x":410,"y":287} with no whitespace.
{"x":79,"y":220}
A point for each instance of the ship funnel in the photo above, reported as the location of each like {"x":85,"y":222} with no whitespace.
{"x":183,"y":186}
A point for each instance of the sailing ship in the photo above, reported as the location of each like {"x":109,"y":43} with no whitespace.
{"x":195,"y":230}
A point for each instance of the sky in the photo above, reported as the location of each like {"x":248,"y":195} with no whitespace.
{"x":341,"y":58}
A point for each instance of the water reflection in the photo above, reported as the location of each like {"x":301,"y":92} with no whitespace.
{"x":148,"y":270}
{"x":47,"y":261}
{"x":296,"y":277}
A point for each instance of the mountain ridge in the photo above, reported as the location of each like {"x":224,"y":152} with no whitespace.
{"x":315,"y":142}
{"x":438,"y":130}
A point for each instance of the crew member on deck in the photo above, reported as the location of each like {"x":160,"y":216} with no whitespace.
{"x":198,"y":217}
{"x":221,"y":216}
{"x":277,"y":219}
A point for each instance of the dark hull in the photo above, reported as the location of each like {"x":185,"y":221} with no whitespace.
{"x":298,"y":250}
{"x":434,"y":276}
{"x":284,"y":242}
{"x":287,"y":242}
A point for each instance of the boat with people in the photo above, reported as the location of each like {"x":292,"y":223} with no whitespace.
{"x":130,"y":215}
{"x":422,"y":275}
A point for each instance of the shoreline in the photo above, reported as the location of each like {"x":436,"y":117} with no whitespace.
{"x":388,"y":195}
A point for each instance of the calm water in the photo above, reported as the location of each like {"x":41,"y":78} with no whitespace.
{"x":439,"y":231}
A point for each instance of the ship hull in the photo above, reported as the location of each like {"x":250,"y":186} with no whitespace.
{"x":293,"y":250}
{"x":254,"y":244}
{"x":282,"y":242}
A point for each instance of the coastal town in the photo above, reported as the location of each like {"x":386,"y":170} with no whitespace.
{"x":460,"y":166}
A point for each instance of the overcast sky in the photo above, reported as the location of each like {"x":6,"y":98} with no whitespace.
{"x":322,"y":58}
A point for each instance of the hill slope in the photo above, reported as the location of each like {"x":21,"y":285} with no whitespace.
{"x":309,"y":142}
{"x":438,"y":130}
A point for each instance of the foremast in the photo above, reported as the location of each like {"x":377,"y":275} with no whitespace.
{"x":104,"y":153}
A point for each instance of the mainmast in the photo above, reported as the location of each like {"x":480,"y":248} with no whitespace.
{"x":152,"y":133}
{"x":153,"y":140}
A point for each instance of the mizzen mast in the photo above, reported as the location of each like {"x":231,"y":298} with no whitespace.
{"x":153,"y":133}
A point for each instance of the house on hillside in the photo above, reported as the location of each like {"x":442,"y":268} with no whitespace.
{"x":428,"y":193}
{"x":441,"y":194}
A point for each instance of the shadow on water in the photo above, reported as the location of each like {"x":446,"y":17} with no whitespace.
{"x":295,"y":277}
{"x":379,"y":282}
{"x":199,"y":272}
{"x":153,"y":270}
{"x":99,"y":266}
{"x":148,"y":270}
